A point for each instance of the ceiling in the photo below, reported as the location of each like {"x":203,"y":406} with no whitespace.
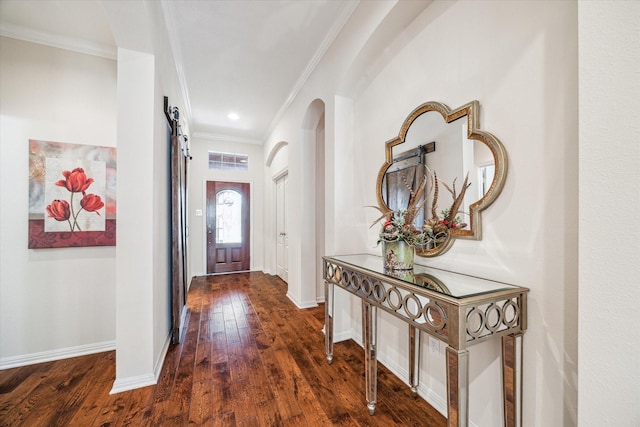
{"x":245,"y":57}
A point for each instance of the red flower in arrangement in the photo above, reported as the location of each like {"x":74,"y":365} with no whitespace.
{"x":76,"y":181}
{"x":59,"y":210}
{"x":91,"y":203}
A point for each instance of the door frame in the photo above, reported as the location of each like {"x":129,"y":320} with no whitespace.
{"x":274,"y":213}
{"x":204,"y":220}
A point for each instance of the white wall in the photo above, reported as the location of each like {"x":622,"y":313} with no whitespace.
{"x":199,"y":174}
{"x":322,"y":85}
{"x":146,"y":73}
{"x":54,"y":303}
{"x":519,"y":59}
{"x":135,"y":253}
{"x":64,"y":302}
{"x":609,"y":341}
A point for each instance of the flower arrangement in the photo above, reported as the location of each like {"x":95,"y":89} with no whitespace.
{"x":397,"y":228}
{"x":437,"y":228}
{"x":399,"y":224}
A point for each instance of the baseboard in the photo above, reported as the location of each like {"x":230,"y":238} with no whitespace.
{"x":58,"y":354}
{"x":402,"y":372}
{"x":302,"y":304}
{"x":131,"y":383}
{"x":339,"y":337}
{"x":160,"y":362}
{"x":342,"y":336}
{"x":434,"y":399}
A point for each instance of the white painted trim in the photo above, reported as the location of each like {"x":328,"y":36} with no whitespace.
{"x":284,"y":171}
{"x":275,"y":150}
{"x":58,"y":354}
{"x":432,"y":398}
{"x":301,"y":304}
{"x":225,"y":138}
{"x":131,"y":383}
{"x":169,"y":10}
{"x":55,"y":40}
{"x":274,"y":215}
{"x":204,"y":226}
{"x":343,"y":336}
{"x":313,"y":63}
{"x":435,"y":400}
{"x":157,"y":370}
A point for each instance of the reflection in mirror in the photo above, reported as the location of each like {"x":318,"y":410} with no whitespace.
{"x":404,"y":177}
{"x":430,"y":282}
{"x":464,"y":168}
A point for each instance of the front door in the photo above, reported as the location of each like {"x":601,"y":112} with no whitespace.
{"x":227,"y":227}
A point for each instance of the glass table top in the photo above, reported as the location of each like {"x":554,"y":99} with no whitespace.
{"x":445,"y":282}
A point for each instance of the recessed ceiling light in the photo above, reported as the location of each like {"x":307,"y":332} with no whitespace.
{"x":233,"y":116}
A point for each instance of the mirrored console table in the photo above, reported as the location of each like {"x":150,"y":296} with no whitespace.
{"x":457,"y":309}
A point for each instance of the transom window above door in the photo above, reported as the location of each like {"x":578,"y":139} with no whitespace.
{"x":228,"y":161}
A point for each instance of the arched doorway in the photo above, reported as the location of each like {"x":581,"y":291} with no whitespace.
{"x":313,"y":157}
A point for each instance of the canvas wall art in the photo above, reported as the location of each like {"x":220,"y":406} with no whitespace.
{"x":72,"y":195}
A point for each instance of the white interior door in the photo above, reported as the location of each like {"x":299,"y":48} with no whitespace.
{"x":282,"y":239}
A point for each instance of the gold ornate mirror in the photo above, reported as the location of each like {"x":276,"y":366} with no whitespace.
{"x":452,"y":168}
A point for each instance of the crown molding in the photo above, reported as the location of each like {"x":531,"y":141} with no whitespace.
{"x":169,"y":8}
{"x":56,"y":40}
{"x":313,"y":63}
{"x":225,"y":138}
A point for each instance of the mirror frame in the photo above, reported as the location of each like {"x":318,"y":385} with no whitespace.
{"x":471,"y":110}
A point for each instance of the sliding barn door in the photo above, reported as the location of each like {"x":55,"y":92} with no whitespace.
{"x":179,"y":159}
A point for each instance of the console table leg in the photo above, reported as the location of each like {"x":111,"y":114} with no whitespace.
{"x":457,"y":387}
{"x":328,"y":320}
{"x":414,"y":360}
{"x":512,"y":379}
{"x":369,"y":322}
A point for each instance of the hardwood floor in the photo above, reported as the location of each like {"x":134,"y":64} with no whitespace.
{"x":249,"y":358}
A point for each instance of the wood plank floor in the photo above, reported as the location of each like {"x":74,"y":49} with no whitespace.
{"x":249,"y":358}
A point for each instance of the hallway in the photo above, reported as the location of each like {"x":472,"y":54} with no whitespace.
{"x":249,"y":358}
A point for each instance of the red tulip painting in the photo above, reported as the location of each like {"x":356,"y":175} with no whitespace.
{"x":71,"y":195}
{"x":75,"y":181}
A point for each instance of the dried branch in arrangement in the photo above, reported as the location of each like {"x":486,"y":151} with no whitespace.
{"x":434,"y":202}
{"x":457,"y":199}
{"x":414,"y":204}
